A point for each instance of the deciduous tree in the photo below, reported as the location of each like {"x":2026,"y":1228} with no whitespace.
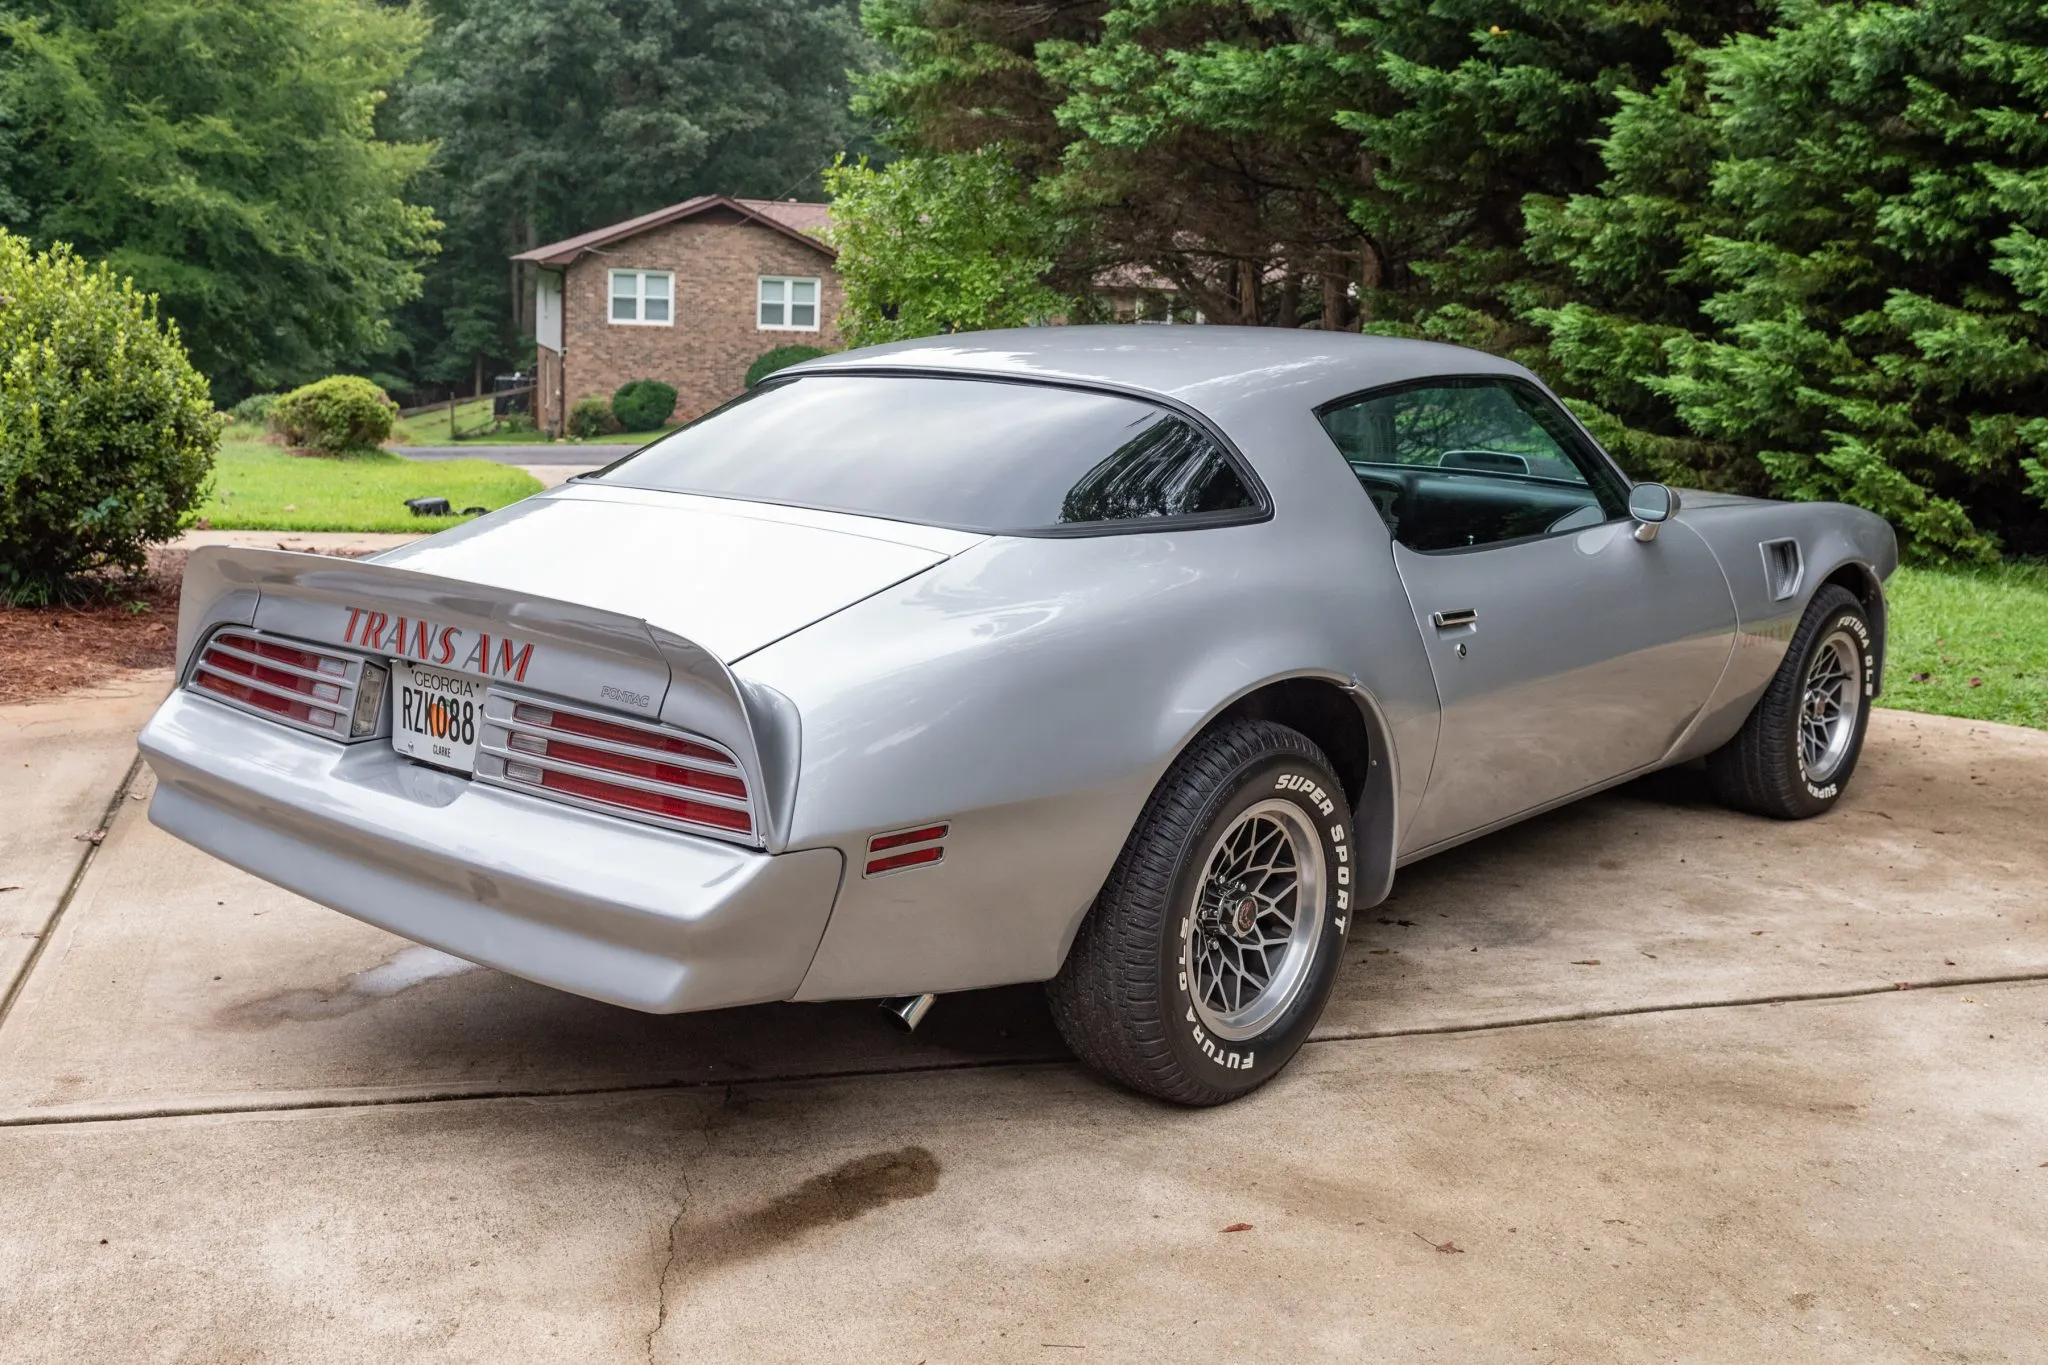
{"x":222,"y":154}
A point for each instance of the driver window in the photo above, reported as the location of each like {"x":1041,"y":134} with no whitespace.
{"x":1470,"y":462}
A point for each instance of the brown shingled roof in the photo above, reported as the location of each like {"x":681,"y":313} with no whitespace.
{"x":796,"y":220}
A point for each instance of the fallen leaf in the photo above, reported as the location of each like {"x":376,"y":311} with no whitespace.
{"x":1651,"y":956}
{"x":1448,"y":1248}
{"x":1921,"y":677}
{"x":1586,"y":962}
{"x":1755,"y":933}
{"x":1239,"y":1227}
{"x":1976,"y":682}
{"x":291,"y":507}
{"x":91,"y":836}
{"x":1948,"y":962}
{"x":15,"y":887}
{"x":1377,"y":952}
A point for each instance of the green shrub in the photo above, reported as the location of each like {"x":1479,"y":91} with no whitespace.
{"x":592,"y":416}
{"x":335,"y":415}
{"x":107,"y":433}
{"x":643,"y":404}
{"x":781,"y":358}
{"x":255,"y":408}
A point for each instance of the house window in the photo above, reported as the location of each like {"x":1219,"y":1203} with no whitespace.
{"x":788,"y":304}
{"x":643,"y":296}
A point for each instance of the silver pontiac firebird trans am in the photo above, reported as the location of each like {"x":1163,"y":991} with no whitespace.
{"x":1129,"y":660}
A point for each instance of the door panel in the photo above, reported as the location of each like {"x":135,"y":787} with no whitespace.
{"x":1589,"y":655}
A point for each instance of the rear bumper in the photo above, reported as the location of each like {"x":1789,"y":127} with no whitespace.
{"x":641,"y":917}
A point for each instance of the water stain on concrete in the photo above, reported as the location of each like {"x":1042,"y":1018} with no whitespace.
{"x":401,"y":972}
{"x":840,"y":1195}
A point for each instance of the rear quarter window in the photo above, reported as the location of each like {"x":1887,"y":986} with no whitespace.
{"x":978,"y":455}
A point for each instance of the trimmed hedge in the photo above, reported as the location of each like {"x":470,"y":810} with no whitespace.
{"x":591,"y":416}
{"x":643,"y":404}
{"x":255,"y":408}
{"x":107,"y":433}
{"x":781,"y":358}
{"x":335,"y":416}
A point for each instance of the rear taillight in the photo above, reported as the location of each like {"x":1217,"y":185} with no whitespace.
{"x":620,"y":767}
{"x":330,"y":694}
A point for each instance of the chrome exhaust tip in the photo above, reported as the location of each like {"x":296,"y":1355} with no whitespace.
{"x":909,"y":1010}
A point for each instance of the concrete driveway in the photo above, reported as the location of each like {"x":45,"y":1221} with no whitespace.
{"x":1637,"y":1080}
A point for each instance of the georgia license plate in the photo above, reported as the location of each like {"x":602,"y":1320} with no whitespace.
{"x":435,"y":715}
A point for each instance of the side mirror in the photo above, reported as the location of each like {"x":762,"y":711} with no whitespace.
{"x":1651,"y":504}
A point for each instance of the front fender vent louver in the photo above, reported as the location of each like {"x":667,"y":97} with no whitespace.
{"x":900,"y":850}
{"x":1782,"y":568}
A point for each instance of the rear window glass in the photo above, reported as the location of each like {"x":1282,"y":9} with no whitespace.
{"x":974,"y":454}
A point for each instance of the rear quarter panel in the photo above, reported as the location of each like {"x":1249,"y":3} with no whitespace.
{"x":1031,"y":692}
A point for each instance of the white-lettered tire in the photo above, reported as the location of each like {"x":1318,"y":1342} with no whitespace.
{"x":1795,"y":754}
{"x":1212,"y":948}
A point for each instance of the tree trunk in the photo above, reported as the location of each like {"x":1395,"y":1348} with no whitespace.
{"x":1370,"y":271}
{"x":1333,"y":299}
{"x":1248,"y":293}
{"x":1290,"y":300}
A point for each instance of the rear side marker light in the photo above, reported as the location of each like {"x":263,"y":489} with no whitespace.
{"x":921,"y":847}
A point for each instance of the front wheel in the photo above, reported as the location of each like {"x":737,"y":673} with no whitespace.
{"x":1213,"y":946}
{"x":1794,"y":754}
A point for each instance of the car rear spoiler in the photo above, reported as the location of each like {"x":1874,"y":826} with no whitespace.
{"x":537,"y":644}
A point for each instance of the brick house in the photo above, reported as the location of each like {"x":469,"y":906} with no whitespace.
{"x":691,"y":294}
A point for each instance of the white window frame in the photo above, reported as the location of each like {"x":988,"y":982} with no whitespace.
{"x":640,"y":297}
{"x":785,"y":286}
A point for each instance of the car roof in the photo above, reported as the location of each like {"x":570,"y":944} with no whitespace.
{"x":1227,"y":373}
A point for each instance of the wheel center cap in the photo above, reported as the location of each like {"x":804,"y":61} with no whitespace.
{"x":1245,"y":915}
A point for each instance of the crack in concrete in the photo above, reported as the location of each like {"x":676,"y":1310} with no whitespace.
{"x":683,"y":1199}
{"x":85,"y":862}
{"x":990,"y":1064}
{"x":668,"y":1266}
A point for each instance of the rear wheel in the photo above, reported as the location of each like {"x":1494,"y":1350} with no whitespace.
{"x":1212,"y":948}
{"x":1795,"y":753}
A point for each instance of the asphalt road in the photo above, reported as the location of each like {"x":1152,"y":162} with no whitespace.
{"x":559,"y":454}
{"x":1636,"y":1080}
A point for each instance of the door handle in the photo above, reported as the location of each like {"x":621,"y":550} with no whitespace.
{"x":1461,"y":616}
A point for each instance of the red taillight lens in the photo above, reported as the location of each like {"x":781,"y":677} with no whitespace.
{"x":633,"y":798}
{"x":569,"y":723}
{"x":303,"y":712}
{"x":631,"y":766}
{"x":632,"y":769}
{"x":303,"y":686}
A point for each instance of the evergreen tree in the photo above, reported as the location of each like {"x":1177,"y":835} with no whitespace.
{"x":1322,"y":162}
{"x":1818,"y":266}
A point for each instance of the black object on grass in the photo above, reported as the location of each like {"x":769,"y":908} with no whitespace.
{"x":430,"y":507}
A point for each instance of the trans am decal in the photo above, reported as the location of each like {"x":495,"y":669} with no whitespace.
{"x":450,"y":646}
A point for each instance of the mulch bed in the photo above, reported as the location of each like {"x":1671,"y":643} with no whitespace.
{"x":46,"y":651}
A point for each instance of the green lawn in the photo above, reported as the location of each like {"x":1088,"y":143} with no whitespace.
{"x":262,"y":487}
{"x":1970,"y":642}
{"x":431,"y":429}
